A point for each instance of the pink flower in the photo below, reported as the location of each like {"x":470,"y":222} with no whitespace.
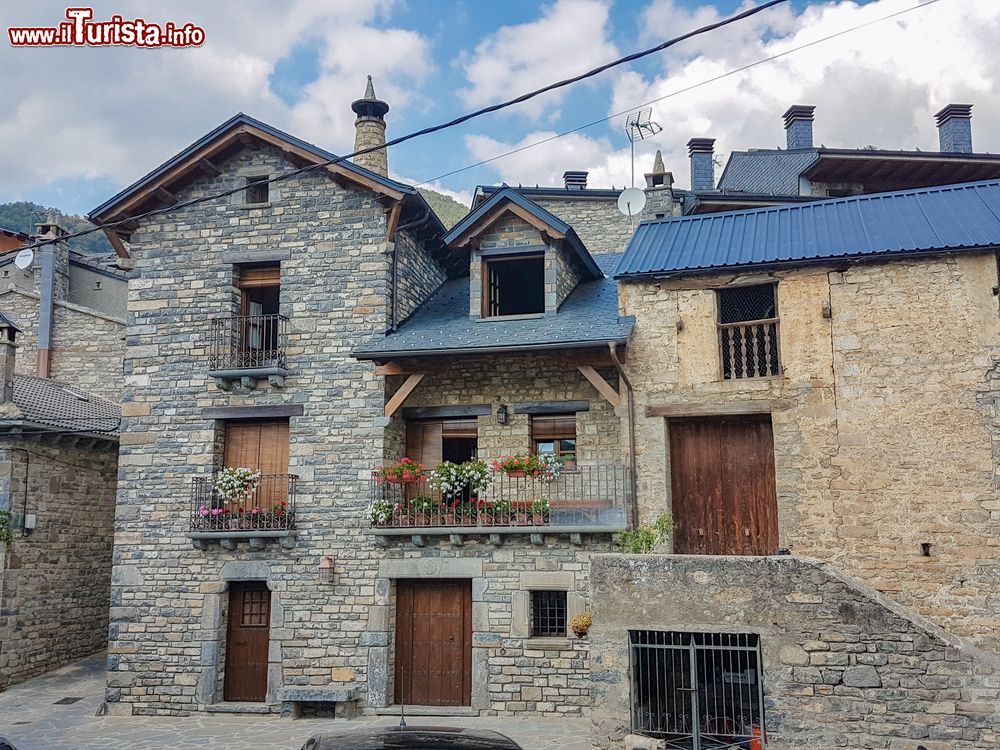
{"x":203,"y":511}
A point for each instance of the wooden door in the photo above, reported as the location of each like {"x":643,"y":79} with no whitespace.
{"x":433,"y":643}
{"x":247,"y":637}
{"x":722,"y":482}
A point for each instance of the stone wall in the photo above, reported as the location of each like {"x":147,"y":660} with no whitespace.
{"x":164,"y":654}
{"x":883,"y":420}
{"x":56,"y":582}
{"x":597,"y":221}
{"x":417,"y":275}
{"x":843,"y":665}
{"x":87,"y":346}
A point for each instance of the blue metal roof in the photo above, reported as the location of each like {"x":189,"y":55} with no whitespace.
{"x":235,"y":121}
{"x":588,"y":317}
{"x":546,"y":217}
{"x":935,"y":219}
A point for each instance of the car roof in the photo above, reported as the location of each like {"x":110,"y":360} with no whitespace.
{"x":411,"y":738}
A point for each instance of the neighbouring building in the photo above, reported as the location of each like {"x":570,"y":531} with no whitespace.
{"x":809,"y":380}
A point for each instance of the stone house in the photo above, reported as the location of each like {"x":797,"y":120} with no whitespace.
{"x":320,"y":328}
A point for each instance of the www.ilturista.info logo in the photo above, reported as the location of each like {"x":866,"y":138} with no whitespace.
{"x":80,"y":31}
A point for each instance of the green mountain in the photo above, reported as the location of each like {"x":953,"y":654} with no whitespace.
{"x":22,"y":217}
{"x":449,"y":210}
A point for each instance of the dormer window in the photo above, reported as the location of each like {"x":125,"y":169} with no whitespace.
{"x":514,"y":285}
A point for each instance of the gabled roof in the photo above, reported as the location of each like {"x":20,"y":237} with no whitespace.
{"x":936,"y":219}
{"x":510,"y":200}
{"x":240,"y":125}
{"x":588,"y":317}
{"x":45,"y":404}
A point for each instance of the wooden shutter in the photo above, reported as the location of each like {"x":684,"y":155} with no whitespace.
{"x":460,"y":428}
{"x":251,"y":278}
{"x":423,"y":442}
{"x":261,"y":445}
{"x":553,"y":426}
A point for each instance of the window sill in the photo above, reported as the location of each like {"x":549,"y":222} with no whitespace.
{"x":548,"y":644}
{"x":254,"y":205}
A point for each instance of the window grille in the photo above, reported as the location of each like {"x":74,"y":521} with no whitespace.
{"x":748,"y":332}
{"x":698,"y":690}
{"x":548,"y":614}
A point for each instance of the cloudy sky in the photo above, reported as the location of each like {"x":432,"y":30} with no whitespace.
{"x":78,"y":124}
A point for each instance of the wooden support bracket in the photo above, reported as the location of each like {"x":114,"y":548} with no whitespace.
{"x":403,"y":393}
{"x":610,"y":394}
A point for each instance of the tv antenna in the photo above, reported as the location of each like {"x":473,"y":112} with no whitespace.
{"x":638,"y":127}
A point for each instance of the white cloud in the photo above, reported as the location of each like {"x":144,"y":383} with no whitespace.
{"x":115,"y":113}
{"x":570,"y":37}
{"x":880,"y":85}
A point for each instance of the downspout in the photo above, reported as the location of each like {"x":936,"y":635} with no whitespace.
{"x":633,"y":479}
{"x":393,"y":322}
{"x":47,"y":293}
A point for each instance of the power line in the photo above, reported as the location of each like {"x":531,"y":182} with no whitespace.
{"x":684,"y":90}
{"x":428,"y":130}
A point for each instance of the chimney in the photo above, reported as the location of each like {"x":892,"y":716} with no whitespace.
{"x":575,"y":179}
{"x":701,"y":151}
{"x":369,"y":130}
{"x":799,"y":126}
{"x":659,"y":177}
{"x":954,"y":124}
{"x":8,"y":333}
{"x":52,"y":283}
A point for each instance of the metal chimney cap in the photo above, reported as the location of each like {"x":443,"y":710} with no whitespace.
{"x":963,"y":111}
{"x":799,"y":112}
{"x":701,"y":146}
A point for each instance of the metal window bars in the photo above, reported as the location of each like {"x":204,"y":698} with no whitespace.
{"x":697,"y":691}
{"x":249,"y":342}
{"x":548,"y":614}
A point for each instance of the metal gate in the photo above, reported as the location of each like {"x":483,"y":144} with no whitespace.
{"x":698,"y":690}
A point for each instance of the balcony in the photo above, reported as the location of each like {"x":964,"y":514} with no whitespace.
{"x":588,"y":500}
{"x":749,"y":350}
{"x":268,"y":512}
{"x":249,"y":348}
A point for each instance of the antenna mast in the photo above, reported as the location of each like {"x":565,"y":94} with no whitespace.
{"x":638,"y":127}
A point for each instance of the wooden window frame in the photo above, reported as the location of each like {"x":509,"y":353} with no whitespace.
{"x":719,"y":326}
{"x":249,"y":188}
{"x":555,"y":438}
{"x":485,"y":291}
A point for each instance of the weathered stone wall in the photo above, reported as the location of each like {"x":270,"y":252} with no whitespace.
{"x":597,"y":221}
{"x":87,"y":345}
{"x":883,"y":420}
{"x":56,"y":582}
{"x":165,"y":652}
{"x":97,"y":291}
{"x":417,"y":275}
{"x":514,"y":380}
{"x":843,"y":665}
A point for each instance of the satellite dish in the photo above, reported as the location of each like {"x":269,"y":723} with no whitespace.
{"x":23,"y":259}
{"x":631,"y":201}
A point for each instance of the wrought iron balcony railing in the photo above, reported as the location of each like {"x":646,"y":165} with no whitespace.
{"x":270,"y":507}
{"x":249,"y":342}
{"x":749,"y":350}
{"x":589,"y":497}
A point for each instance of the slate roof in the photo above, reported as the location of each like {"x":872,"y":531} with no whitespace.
{"x":951,"y":217}
{"x":57,"y":406}
{"x":588,"y":317}
{"x":546,"y":217}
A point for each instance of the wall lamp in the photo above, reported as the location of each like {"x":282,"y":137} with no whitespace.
{"x":328,"y":569}
{"x":502,"y":415}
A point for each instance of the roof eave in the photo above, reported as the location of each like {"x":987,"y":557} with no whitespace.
{"x":501,"y":349}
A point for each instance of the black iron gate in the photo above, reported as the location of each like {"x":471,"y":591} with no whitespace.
{"x":698,"y":690}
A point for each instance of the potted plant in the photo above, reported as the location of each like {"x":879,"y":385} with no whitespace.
{"x":526,"y":465}
{"x":522,"y":513}
{"x":540,"y":512}
{"x":568,"y":461}
{"x":236,"y":484}
{"x":380,"y":513}
{"x":403,"y":471}
{"x":460,"y":481}
{"x":581,"y":624}
{"x":502,"y":512}
{"x":423,"y":510}
{"x":486,"y":515}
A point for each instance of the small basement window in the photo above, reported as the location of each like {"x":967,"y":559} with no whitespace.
{"x":748,"y":332}
{"x":548,"y":614}
{"x":257,"y":193}
{"x":514,"y":286}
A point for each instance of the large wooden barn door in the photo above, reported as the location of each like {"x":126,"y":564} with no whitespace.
{"x":722,"y":480}
{"x":433,"y":643}
{"x":247,"y":639}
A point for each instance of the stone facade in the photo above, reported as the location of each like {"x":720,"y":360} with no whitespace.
{"x":844,"y":666}
{"x":883,"y":420}
{"x":55,"y":583}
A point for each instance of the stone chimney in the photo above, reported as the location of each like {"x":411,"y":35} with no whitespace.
{"x":575,"y":179}
{"x":659,"y":177}
{"x":8,"y":334}
{"x":369,"y":130}
{"x":51,"y":270}
{"x":954,"y":124}
{"x":702,"y":153}
{"x":799,"y":126}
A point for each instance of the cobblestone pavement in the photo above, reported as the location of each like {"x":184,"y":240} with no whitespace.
{"x":31,"y":719}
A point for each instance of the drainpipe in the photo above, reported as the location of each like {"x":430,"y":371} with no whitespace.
{"x":395,"y":265}
{"x":633,"y":479}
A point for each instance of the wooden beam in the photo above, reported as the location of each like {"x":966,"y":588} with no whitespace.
{"x":165,"y":195}
{"x":731,"y":408}
{"x":208,"y":167}
{"x":392,"y":368}
{"x":392,"y":221}
{"x":499,"y":212}
{"x":610,"y":394}
{"x":116,"y":242}
{"x":403,"y":393}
